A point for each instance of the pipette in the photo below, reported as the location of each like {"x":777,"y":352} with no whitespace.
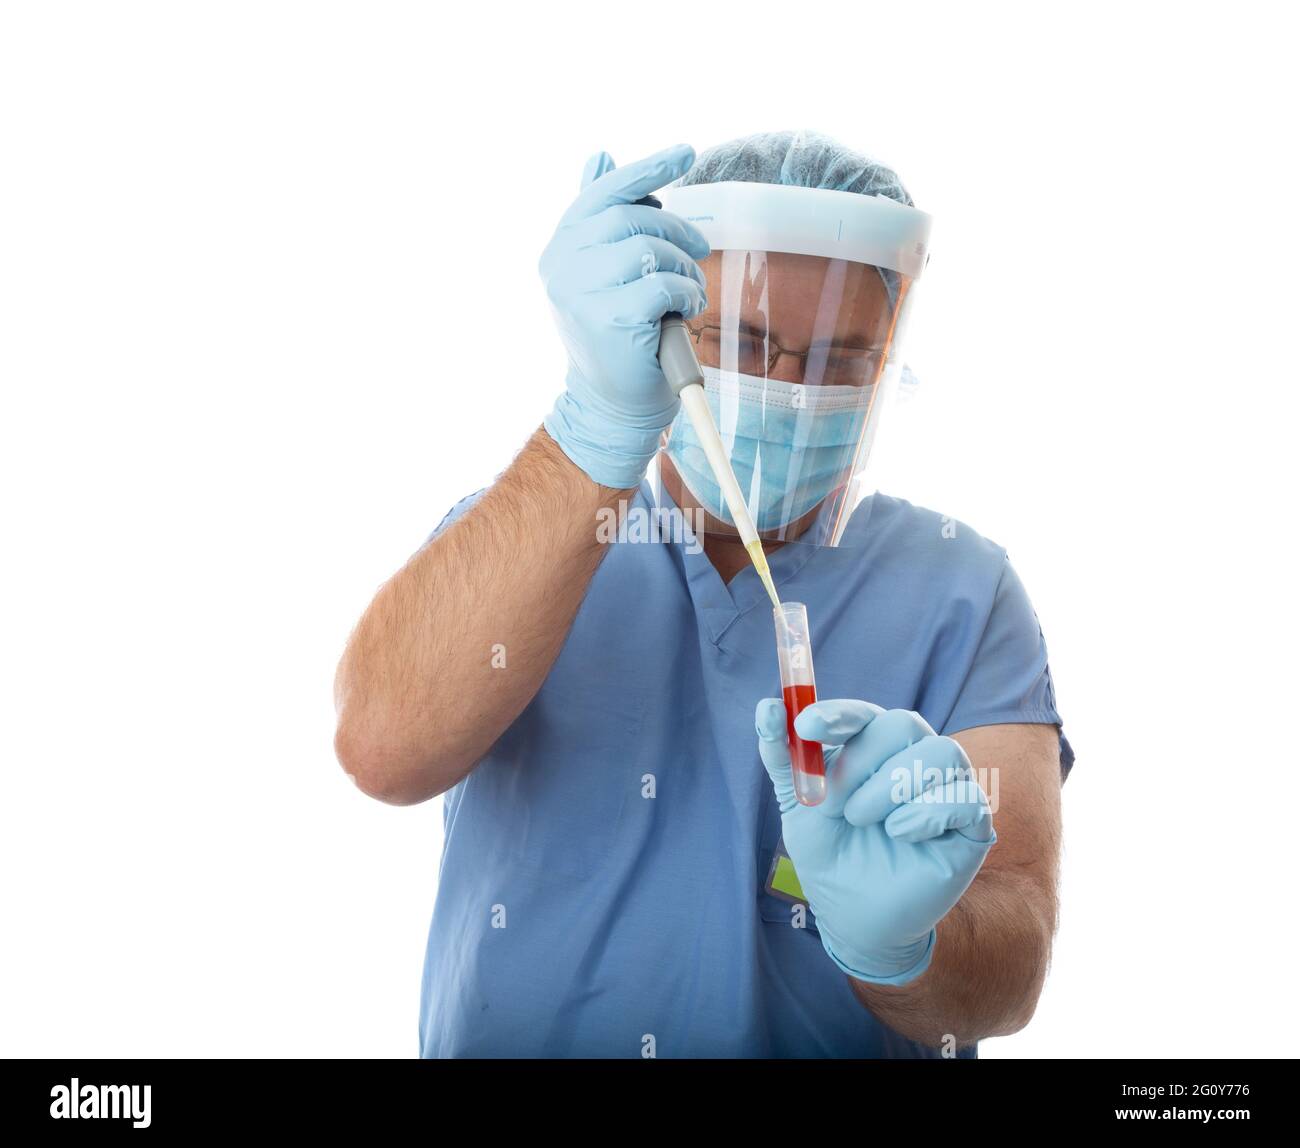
{"x":682,"y":370}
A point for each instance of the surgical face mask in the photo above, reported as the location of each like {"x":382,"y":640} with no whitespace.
{"x":790,"y":445}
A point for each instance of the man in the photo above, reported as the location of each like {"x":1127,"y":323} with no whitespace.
{"x":616,"y":878}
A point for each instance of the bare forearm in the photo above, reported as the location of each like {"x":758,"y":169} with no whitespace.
{"x":458,"y":642}
{"x":990,"y":961}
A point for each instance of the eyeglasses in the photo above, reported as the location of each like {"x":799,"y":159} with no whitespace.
{"x":755,"y":355}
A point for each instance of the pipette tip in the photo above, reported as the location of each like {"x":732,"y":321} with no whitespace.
{"x":759,"y":559}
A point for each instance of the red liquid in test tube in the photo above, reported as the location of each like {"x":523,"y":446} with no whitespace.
{"x":805,"y":756}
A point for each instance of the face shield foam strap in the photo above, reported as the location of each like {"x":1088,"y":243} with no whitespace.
{"x":806,"y":221}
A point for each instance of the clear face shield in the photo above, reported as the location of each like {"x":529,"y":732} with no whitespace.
{"x":809,"y":292}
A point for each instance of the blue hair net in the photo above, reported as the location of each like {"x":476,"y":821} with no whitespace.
{"x":800,"y":159}
{"x":797,"y":159}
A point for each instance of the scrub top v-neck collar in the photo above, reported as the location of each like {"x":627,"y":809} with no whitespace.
{"x":718,"y":604}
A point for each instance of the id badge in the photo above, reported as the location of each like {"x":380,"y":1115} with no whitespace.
{"x":782,"y":881}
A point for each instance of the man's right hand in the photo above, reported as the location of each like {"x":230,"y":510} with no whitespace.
{"x":612,"y":270}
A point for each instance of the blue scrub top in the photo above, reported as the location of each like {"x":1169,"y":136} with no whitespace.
{"x":577,"y":915}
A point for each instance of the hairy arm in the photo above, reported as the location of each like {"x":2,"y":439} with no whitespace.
{"x":418,"y":697}
{"x":992,"y":949}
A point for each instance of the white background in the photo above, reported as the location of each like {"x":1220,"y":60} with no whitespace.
{"x":268,"y":307}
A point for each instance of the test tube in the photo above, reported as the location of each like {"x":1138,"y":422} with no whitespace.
{"x":799,"y":690}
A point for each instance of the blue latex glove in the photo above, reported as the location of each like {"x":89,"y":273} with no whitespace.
{"x":612,"y":270}
{"x":894,"y":845}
